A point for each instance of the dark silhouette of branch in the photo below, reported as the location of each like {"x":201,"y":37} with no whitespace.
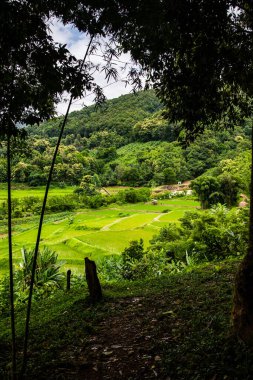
{"x":9,"y":202}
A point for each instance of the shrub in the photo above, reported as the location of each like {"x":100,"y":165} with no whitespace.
{"x":131,"y":257}
{"x":47,"y":275}
{"x":94,"y":201}
{"x":110,"y":268}
{"x":214,"y":234}
{"x":168,"y":233}
{"x":134,"y":263}
{"x":58,"y":204}
{"x":134,"y":195}
{"x":4,"y":294}
{"x":48,"y":278}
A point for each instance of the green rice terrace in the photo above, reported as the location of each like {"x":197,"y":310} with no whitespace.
{"x":88,"y":232}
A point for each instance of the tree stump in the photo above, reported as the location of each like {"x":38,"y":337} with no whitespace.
{"x":92,"y":280}
{"x":68,"y":279}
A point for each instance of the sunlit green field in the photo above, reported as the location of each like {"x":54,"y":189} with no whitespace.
{"x":22,"y":191}
{"x":33,"y":192}
{"x":92,"y":233}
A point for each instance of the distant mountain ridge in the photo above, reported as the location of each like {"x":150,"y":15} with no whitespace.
{"x":117,"y":115}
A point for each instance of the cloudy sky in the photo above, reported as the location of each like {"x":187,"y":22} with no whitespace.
{"x":77,"y":44}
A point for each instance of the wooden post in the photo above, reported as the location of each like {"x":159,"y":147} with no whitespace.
{"x":92,"y":280}
{"x":68,"y":279}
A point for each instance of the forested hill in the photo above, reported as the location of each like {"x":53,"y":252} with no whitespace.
{"x":127,"y":142}
{"x":117,"y":117}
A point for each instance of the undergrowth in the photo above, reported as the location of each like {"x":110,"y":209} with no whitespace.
{"x":192,"y":316}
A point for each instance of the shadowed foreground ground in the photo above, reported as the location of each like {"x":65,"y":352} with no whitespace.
{"x":169,"y":328}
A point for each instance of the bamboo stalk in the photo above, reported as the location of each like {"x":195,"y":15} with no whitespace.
{"x":29,"y":305}
{"x":13,"y":334}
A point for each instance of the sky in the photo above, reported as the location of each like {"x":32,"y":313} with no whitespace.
{"x":77,"y":44}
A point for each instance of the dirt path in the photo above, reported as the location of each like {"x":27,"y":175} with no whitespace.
{"x":156,"y":219}
{"x":108,"y":226}
{"x":124,"y":345}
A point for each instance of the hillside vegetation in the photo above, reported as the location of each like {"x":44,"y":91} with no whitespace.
{"x":126,"y":142}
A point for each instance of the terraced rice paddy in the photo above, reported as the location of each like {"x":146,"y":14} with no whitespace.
{"x":93,"y":233}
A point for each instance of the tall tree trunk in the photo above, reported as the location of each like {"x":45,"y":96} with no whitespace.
{"x":243,"y":297}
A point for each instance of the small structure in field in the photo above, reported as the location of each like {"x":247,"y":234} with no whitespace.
{"x":243,"y":204}
{"x":244,"y":201}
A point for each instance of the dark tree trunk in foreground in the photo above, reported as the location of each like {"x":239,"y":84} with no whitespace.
{"x":92,"y":280}
{"x":243,"y":298}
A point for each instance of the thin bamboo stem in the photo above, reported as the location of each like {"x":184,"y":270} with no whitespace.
{"x":13,"y":333}
{"x":29,"y":305}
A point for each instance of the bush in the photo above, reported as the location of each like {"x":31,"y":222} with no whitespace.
{"x":58,"y":204}
{"x":211,"y":235}
{"x":213,"y":190}
{"x":110,"y":268}
{"x":131,"y":257}
{"x":134,"y":263}
{"x":48,"y":278}
{"x":32,"y":205}
{"x":134,"y":195}
{"x":4,"y":295}
{"x":47,"y":275}
{"x":168,"y":233}
{"x":94,"y":201}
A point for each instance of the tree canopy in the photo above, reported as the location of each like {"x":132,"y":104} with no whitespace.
{"x":35,"y":70}
{"x":197,"y":53}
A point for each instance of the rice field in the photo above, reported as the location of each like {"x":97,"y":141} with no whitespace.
{"x":92,"y":233}
{"x":19,"y":192}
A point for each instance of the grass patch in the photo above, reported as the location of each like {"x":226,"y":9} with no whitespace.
{"x":133,"y":221}
{"x":172,"y":216}
{"x":39,"y":192}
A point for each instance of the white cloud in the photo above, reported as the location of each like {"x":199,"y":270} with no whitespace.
{"x":62,"y":34}
{"x":77,"y":44}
